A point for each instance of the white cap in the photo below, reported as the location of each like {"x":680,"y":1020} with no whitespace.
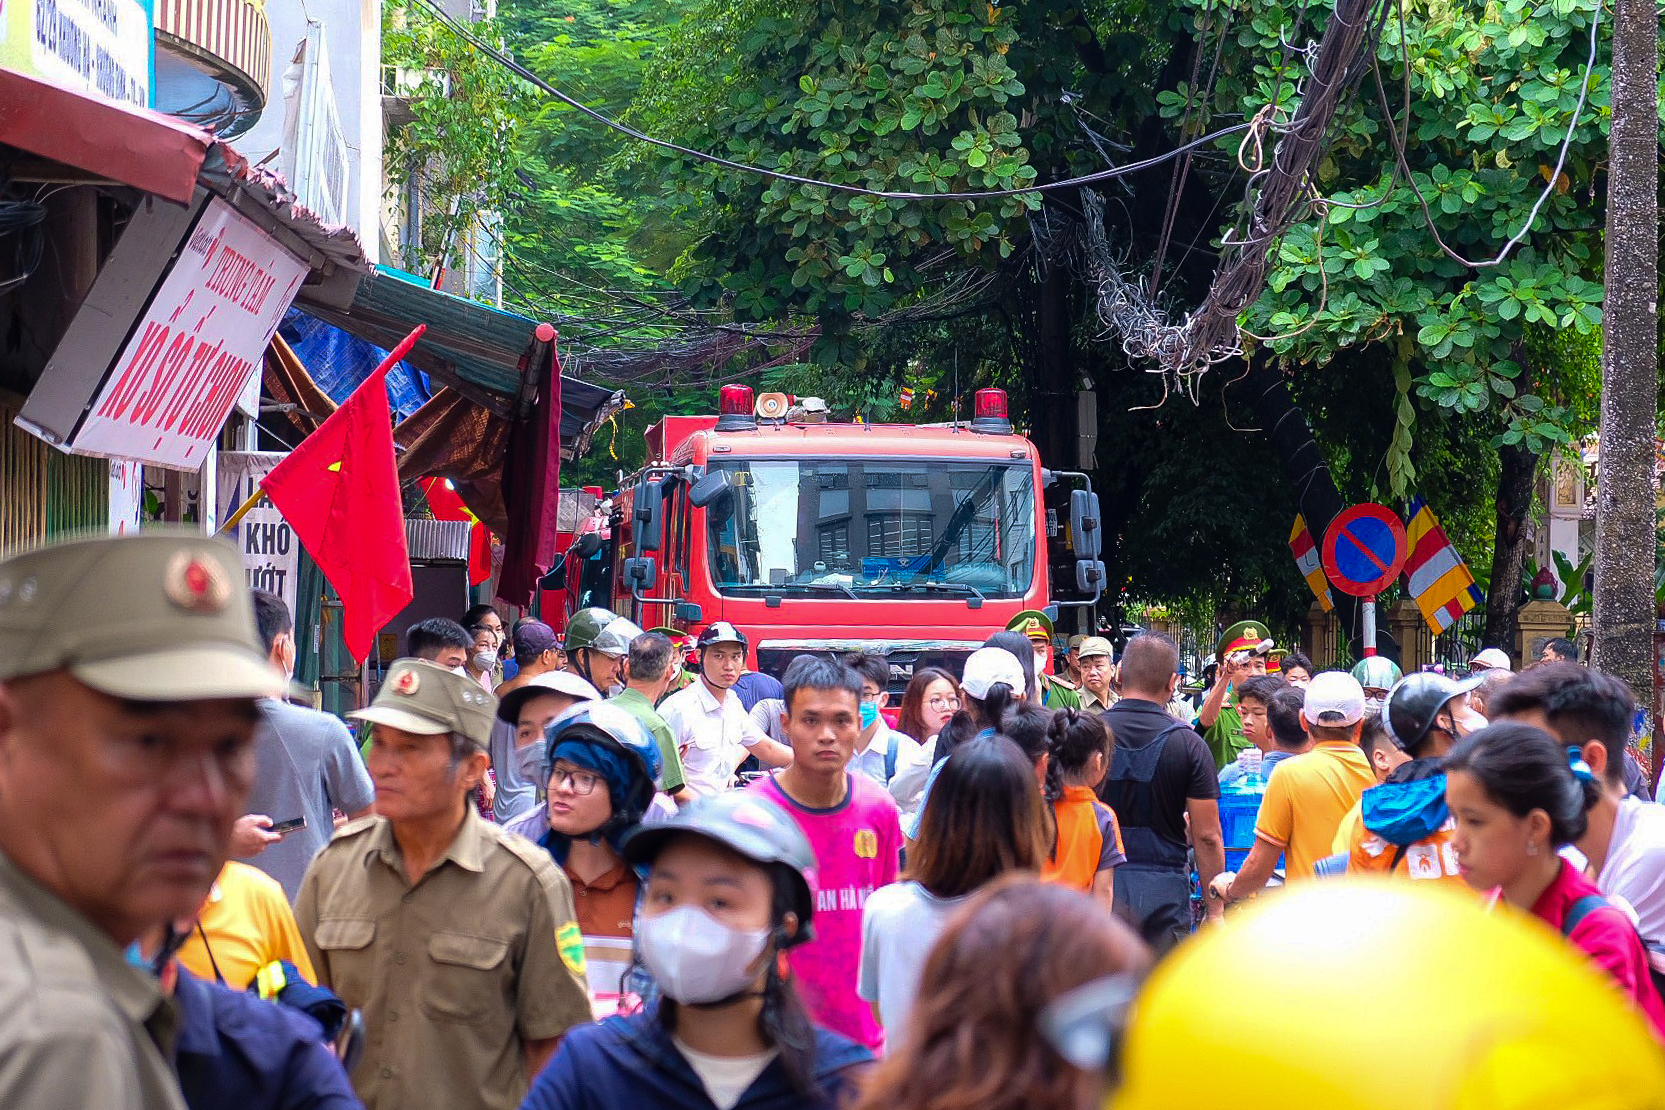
{"x":986,"y":667}
{"x":557,"y":682}
{"x":1491,"y":658}
{"x":1334,"y":699}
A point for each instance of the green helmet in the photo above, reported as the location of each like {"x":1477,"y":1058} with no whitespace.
{"x":1377,"y":672}
{"x":601,"y":630}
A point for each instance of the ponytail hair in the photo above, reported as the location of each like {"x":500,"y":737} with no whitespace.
{"x":1072,"y":739}
{"x":973,"y":716}
{"x":1523,"y":768}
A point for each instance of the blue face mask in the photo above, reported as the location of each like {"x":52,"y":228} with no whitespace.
{"x":869,"y":713}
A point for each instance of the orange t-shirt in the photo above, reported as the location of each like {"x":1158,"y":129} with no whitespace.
{"x":1089,"y":839}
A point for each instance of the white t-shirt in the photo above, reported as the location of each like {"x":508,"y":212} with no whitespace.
{"x":913,"y":767}
{"x":711,"y":736}
{"x":870,"y":761}
{"x":726,"y":1078}
{"x":899,"y":926}
{"x":1635,"y":866}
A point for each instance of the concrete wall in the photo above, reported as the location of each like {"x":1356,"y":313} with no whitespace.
{"x":353,"y":38}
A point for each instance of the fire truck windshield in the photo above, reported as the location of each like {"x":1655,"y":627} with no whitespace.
{"x":856,"y":528}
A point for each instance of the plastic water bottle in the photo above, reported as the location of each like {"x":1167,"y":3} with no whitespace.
{"x":1252,"y":778}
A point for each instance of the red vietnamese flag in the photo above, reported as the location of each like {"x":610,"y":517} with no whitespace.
{"x":339,"y":491}
{"x":448,"y":505}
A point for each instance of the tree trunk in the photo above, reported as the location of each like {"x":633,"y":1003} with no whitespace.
{"x":1516,"y":482}
{"x":1625,"y":543}
{"x":1315,"y":489}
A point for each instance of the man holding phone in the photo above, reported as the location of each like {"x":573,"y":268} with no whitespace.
{"x":1242,"y":653}
{"x":308,"y":767}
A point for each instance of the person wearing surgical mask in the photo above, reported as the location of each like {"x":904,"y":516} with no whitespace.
{"x":728,"y":891}
{"x":880,"y":749}
{"x":529,"y":708}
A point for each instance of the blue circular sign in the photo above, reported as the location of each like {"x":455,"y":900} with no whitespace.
{"x":1364,"y":549}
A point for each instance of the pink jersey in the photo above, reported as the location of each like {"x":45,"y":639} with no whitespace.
{"x":857,"y":848}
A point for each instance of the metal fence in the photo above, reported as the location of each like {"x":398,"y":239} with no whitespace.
{"x":1462,"y":641}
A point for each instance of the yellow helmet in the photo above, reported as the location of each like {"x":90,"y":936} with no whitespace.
{"x":1372,"y":995}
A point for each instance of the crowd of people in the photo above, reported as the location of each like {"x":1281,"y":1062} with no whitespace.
{"x":617,"y":868}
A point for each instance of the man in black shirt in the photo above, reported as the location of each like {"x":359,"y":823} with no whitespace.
{"x":1162,"y":774}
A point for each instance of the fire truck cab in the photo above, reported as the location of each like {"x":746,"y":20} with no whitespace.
{"x":915,"y":542}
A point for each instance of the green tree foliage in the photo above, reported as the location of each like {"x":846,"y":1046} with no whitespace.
{"x":454,"y":142}
{"x":1483,"y":97}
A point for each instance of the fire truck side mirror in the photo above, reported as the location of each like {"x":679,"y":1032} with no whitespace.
{"x":1089,"y":577}
{"x":642,"y":574}
{"x":648,"y":516}
{"x":713,"y":486}
{"x":1085,"y":525}
{"x":585,"y":546}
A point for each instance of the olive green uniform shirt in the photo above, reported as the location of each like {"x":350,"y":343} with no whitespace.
{"x":455,"y":974}
{"x":636,"y":704}
{"x":1225,"y":737}
{"x":79,"y":1025}
{"x":1058,"y":694}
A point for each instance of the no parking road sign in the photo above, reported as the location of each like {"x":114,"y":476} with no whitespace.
{"x":1364,"y":549}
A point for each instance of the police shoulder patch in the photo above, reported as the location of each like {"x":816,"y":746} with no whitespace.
{"x":569,"y":941}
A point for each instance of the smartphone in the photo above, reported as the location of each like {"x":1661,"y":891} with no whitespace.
{"x":284,"y":828}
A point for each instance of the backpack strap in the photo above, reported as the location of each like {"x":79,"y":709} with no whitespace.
{"x":1579,"y":910}
{"x":890,"y":760}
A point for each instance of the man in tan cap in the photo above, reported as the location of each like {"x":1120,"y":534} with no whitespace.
{"x":1098,"y":669}
{"x":458,"y":941}
{"x":129,"y":670}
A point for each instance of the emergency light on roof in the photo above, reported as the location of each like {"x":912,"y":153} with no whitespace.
{"x":988,"y":413}
{"x":734,"y":409}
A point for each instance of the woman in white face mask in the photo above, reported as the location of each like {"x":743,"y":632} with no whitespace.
{"x":728,"y":891}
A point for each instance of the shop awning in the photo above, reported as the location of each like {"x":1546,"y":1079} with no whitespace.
{"x":481,"y":352}
{"x":74,"y":136}
{"x":104,"y":139}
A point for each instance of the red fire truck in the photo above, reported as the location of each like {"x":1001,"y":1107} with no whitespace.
{"x":913,"y":541}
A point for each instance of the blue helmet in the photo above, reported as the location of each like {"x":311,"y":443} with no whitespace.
{"x":613,"y":730}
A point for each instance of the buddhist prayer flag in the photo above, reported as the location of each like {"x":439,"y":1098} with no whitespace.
{"x":1435,"y":575}
{"x":1306,"y":558}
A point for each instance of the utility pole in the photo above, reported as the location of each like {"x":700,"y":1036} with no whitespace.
{"x":1625,"y":543}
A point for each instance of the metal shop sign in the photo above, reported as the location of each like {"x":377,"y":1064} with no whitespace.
{"x":195,"y":348}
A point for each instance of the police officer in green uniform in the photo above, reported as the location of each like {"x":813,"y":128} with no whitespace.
{"x":129,"y":669}
{"x":1242,"y":654}
{"x":1056,"y":693}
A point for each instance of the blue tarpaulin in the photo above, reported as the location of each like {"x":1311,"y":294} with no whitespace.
{"x":339,"y":362}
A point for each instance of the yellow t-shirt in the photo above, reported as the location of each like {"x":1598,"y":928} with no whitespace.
{"x":249,"y":925}
{"x":1343,"y":842}
{"x":1307,"y":799}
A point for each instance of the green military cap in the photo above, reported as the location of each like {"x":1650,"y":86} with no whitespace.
{"x":159,"y":615}
{"x":1242,"y":636}
{"x":429,"y":700}
{"x":1094,"y":645}
{"x":1074,"y":643}
{"x":1032,"y":623}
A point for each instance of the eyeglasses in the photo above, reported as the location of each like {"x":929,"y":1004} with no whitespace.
{"x":939,"y":703}
{"x":582,"y":783}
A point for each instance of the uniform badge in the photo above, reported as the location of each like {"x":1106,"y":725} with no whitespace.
{"x":195,"y":583}
{"x":867,"y":844}
{"x":1252,"y":633}
{"x":407,"y":683}
{"x":569,"y":941}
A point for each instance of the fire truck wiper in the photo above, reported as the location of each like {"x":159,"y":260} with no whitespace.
{"x":973,"y":596}
{"x":824,"y":587}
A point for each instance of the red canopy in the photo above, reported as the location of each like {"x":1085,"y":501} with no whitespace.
{"x":119,"y":142}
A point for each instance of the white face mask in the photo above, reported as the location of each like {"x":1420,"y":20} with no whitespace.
{"x":694,"y":957}
{"x":483,"y":660}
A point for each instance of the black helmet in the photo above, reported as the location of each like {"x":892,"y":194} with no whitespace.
{"x":1414,"y":703}
{"x":749,"y":825}
{"x":607,"y":726}
{"x":721,"y":632}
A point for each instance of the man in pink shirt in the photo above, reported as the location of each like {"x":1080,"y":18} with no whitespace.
{"x":851,"y":823}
